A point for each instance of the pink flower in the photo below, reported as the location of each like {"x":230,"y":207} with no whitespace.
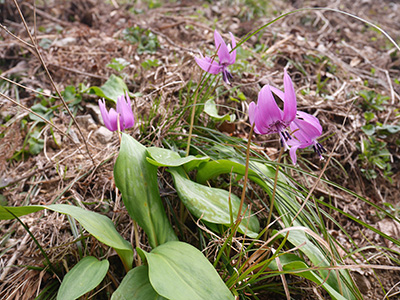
{"x":305,"y":131}
{"x":124,"y":110}
{"x":266,"y":115}
{"x":225,"y":58}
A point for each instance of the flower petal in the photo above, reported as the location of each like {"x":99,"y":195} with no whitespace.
{"x":278,"y":92}
{"x":124,"y":108}
{"x":268,"y":111}
{"x":209,"y":65}
{"x":310,"y":119}
{"x":293,"y":155}
{"x":233,"y":53}
{"x":109,"y":118}
{"x":252,"y":112}
{"x":290,"y":106}
{"x":223,"y":52}
{"x":306,"y":133}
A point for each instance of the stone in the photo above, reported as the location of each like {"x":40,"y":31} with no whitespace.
{"x":94,"y":111}
{"x":103,"y":135}
{"x":86,"y":122}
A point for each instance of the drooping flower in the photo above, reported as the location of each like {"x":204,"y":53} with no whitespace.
{"x":305,"y":131}
{"x":266,"y":115}
{"x":124,"y":110}
{"x":225,"y":58}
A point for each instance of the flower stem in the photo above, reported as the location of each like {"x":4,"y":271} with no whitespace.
{"x":246,"y":174}
{"x":192,"y":119}
{"x":271,"y":207}
{"x":137,"y":242}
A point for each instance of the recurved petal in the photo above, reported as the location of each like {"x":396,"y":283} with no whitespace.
{"x":233,"y":53}
{"x":105,"y":115}
{"x":293,"y":155}
{"x":305,"y":132}
{"x":252,"y":112}
{"x":208,"y":65}
{"x":223,"y":52}
{"x":310,"y":119}
{"x":278,"y":92}
{"x":290,"y":105}
{"x":268,"y":111}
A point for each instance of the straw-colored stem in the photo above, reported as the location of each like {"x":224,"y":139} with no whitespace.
{"x":271,"y":206}
{"x":246,"y":174}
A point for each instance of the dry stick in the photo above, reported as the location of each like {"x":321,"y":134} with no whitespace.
{"x":51,"y":79}
{"x":271,"y":206}
{"x":25,"y":87}
{"x":39,"y":116}
{"x":246,"y":174}
{"x":16,"y":37}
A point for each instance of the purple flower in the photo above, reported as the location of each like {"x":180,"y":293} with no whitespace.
{"x":124,"y":110}
{"x":267,"y":117}
{"x":305,"y":131}
{"x":225,"y":58}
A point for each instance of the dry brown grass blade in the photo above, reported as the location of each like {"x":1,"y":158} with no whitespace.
{"x":51,"y":79}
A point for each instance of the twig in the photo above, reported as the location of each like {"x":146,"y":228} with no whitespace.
{"x":26,"y":88}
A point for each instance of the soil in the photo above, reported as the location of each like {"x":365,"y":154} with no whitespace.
{"x":331,"y":57}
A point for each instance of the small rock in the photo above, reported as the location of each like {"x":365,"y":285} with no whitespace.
{"x":74,"y":136}
{"x":55,"y":141}
{"x":64,"y":42}
{"x":86,"y":121}
{"x":103,"y":135}
{"x":94,"y":110}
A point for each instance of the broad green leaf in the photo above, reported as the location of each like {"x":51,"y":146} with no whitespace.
{"x":136,"y":178}
{"x":136,"y":285}
{"x":162,"y":157}
{"x":179,"y":271}
{"x":214,"y":168}
{"x":82,"y":278}
{"x":210,"y":108}
{"x":112,"y":89}
{"x":101,"y":227}
{"x":291,"y":262}
{"x":212,"y":204}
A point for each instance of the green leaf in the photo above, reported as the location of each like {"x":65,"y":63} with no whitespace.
{"x":112,"y":89}
{"x":118,"y":64}
{"x":36,"y":144}
{"x":82,"y":278}
{"x":291,"y":262}
{"x":136,"y":285}
{"x":368,"y":129}
{"x":210,"y":108}
{"x":101,"y":227}
{"x":137,"y":180}
{"x":162,"y":157}
{"x":212,"y":204}
{"x":179,"y":271}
